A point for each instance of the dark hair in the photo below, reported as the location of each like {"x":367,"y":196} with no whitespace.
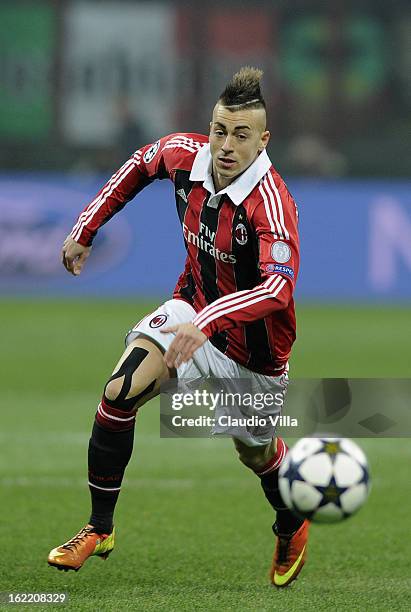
{"x":243,"y":91}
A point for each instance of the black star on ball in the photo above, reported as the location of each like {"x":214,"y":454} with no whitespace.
{"x":331,"y":493}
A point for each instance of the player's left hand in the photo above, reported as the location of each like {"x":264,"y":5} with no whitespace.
{"x":188,"y":339}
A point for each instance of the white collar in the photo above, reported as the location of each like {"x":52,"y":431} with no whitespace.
{"x":239,"y":189}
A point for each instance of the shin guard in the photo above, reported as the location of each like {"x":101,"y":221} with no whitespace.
{"x":108,"y":455}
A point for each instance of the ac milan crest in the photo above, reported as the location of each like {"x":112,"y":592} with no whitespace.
{"x":158,"y":320}
{"x":240,"y":234}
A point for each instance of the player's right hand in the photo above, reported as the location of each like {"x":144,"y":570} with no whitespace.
{"x":74,"y":255}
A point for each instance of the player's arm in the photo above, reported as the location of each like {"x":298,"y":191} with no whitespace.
{"x":144,"y":166}
{"x":275,"y":222}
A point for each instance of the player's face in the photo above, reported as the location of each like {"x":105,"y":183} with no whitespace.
{"x":236,"y":139}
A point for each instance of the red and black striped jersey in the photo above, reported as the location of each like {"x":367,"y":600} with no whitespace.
{"x":242,"y":245}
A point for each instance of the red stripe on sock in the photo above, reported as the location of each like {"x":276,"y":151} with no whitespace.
{"x":114,"y":419}
{"x":275,"y":461}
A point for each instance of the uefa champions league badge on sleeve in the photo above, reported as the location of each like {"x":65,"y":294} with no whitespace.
{"x":280,"y":252}
{"x":150,"y":153}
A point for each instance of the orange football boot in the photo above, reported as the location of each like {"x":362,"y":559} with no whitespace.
{"x":289,"y":556}
{"x":72,"y":554}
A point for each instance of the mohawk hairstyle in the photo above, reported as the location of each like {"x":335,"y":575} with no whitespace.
{"x":243,"y":91}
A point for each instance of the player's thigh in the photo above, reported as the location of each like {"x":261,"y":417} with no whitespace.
{"x":139,"y":373}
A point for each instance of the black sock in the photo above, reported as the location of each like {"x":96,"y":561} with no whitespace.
{"x":108,"y":455}
{"x":286,"y":522}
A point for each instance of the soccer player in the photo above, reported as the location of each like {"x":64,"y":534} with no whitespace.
{"x":232,"y":312}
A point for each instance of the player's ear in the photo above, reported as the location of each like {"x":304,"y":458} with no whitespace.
{"x":211,"y":125}
{"x":265,"y":137}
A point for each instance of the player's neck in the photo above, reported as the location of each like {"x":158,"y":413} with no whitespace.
{"x":220,"y":182}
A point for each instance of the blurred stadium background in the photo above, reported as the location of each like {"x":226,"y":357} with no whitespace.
{"x":83,"y":84}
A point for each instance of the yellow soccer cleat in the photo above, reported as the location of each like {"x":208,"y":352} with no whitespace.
{"x":289,"y":556}
{"x":76,"y":551}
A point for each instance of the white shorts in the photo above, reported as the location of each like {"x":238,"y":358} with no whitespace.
{"x":209,"y":362}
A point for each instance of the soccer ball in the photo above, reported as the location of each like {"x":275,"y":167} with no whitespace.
{"x":324,"y":479}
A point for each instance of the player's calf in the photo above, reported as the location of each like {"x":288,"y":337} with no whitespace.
{"x":265,"y":462}
{"x":136,"y":378}
{"x":291,"y":532}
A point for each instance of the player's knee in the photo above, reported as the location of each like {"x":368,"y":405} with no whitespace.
{"x":136,"y":379}
{"x":255,"y":462}
{"x":113,"y":389}
{"x":253,"y":457}
{"x":127,"y":397}
{"x":141,"y":388}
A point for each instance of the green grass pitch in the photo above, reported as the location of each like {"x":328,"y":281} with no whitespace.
{"x":193,"y":528}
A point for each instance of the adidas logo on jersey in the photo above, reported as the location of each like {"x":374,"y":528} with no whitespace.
{"x":182,"y":194}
